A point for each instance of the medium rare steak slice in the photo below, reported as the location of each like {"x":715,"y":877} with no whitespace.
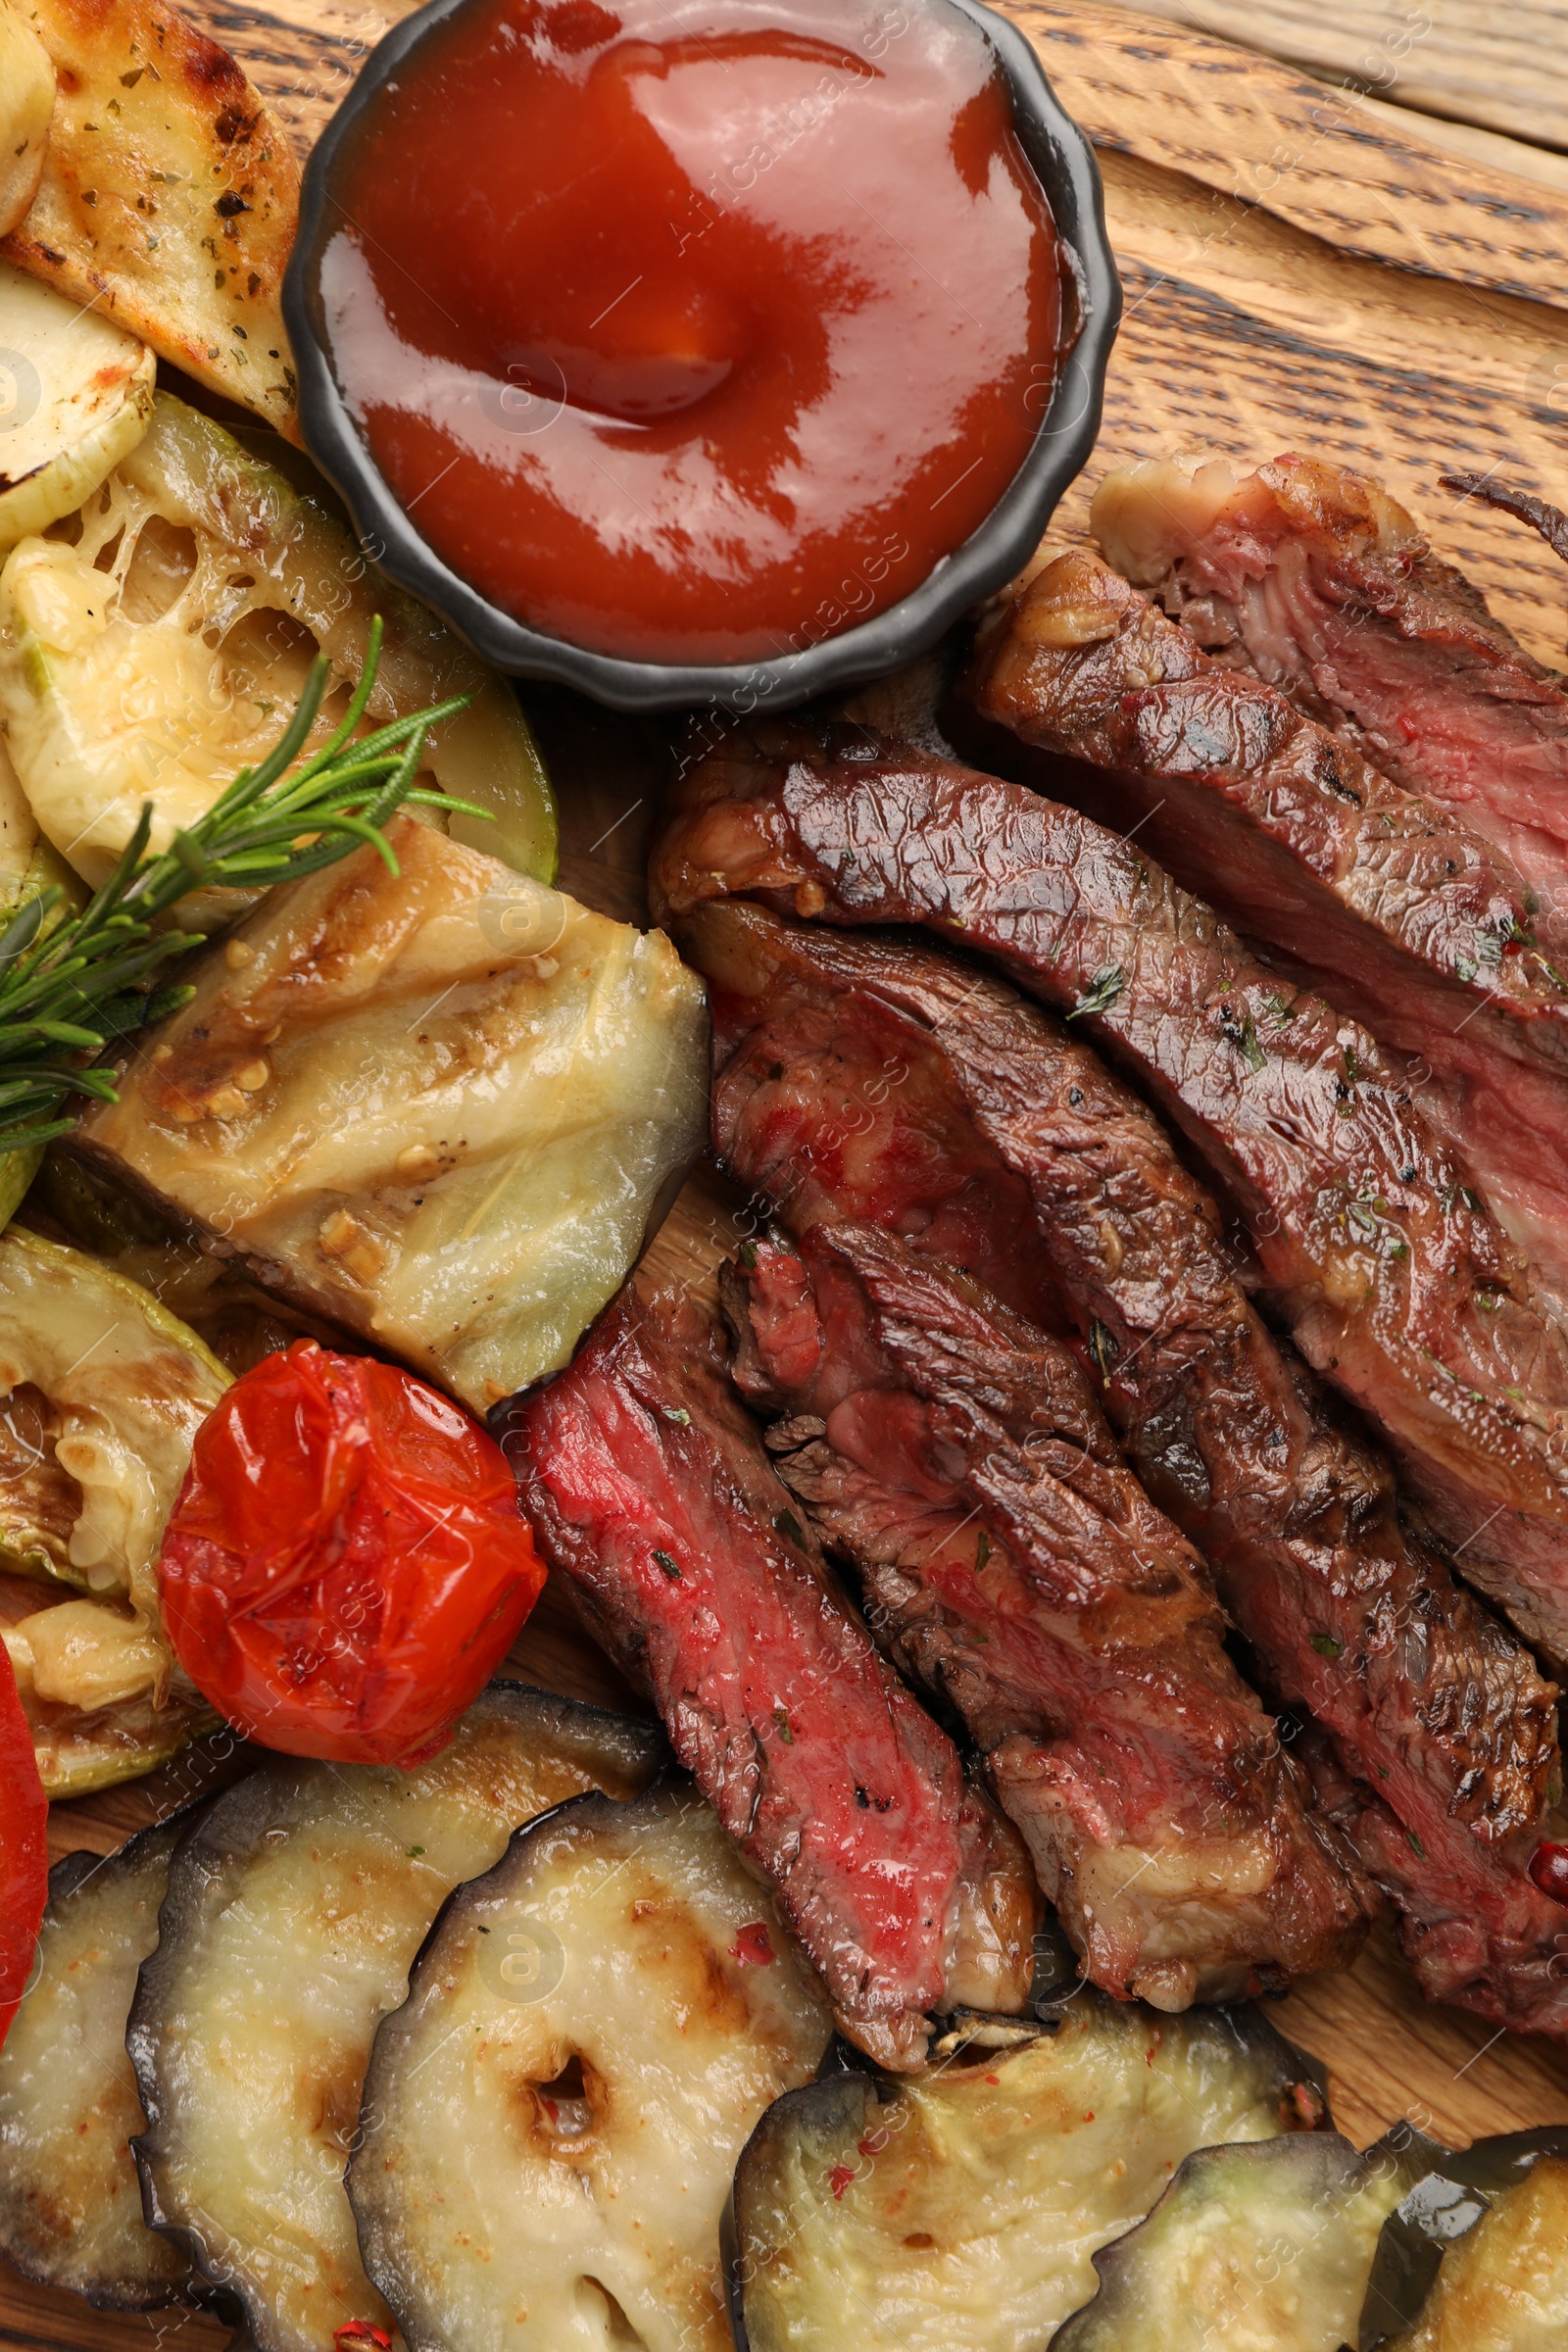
{"x":1325,"y":584}
{"x":1380,"y":900}
{"x":648,"y":1484}
{"x":861,"y":1078}
{"x":952,"y":1453}
{"x":1396,"y":1279}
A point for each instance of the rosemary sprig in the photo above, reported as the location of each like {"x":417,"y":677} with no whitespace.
{"x":68,"y":989}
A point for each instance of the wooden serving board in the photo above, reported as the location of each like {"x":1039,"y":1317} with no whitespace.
{"x":1301,"y":270}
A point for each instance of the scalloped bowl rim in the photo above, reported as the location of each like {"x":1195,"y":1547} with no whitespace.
{"x":1065,"y":162}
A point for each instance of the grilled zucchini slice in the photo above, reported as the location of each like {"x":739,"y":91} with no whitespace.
{"x":551,"y":2120}
{"x":294,"y":1912}
{"x":76,"y":397}
{"x":440,"y":1108}
{"x":29,"y":865}
{"x":70,"y":2200}
{"x":102,"y":1391}
{"x":962,"y":2206}
{"x":1261,"y":2248}
{"x":162,"y":651}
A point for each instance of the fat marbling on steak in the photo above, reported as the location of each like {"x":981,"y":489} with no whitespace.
{"x":879,"y":1079}
{"x":1397,"y":1282}
{"x":647,"y":1482}
{"x":1383,"y":901}
{"x":1327,"y":586}
{"x":952,"y":1454}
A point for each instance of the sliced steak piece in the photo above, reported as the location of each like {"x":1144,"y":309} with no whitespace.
{"x":1383,"y":902}
{"x":1396,"y":1279}
{"x":861,"y":1078}
{"x":1327,"y":587}
{"x":952,"y":1453}
{"x":647,"y":1483}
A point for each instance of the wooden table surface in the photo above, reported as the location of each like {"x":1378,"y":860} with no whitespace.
{"x":1300,"y":272}
{"x":1499,"y":64}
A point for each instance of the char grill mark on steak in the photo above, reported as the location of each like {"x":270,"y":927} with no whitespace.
{"x":1444,"y":1740}
{"x":1375,"y":897}
{"x":648,"y":1486}
{"x":1326,"y":585}
{"x":1394,"y":1278}
{"x":952,"y":1453}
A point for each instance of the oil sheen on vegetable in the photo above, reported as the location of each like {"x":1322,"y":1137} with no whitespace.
{"x":701,"y":333}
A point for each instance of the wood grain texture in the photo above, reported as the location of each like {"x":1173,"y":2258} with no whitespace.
{"x":1366,"y":181}
{"x":1322,"y":311}
{"x":1502,"y":66}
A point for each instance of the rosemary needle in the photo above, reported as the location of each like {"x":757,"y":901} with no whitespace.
{"x":70,"y":989}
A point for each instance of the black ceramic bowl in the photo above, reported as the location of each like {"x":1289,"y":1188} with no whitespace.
{"x":1065,"y":162}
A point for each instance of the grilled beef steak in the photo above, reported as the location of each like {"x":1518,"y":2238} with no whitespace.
{"x":1396,"y":1279}
{"x":1325,"y":584}
{"x":1384,"y":903}
{"x":858,"y":1078}
{"x":952,"y":1453}
{"x":647,"y":1483}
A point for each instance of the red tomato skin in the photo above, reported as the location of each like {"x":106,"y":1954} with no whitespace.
{"x":347,"y":1564}
{"x":24,"y":1848}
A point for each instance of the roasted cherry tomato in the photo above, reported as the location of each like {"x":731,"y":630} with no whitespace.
{"x":24,"y":1848}
{"x":346,"y":1565}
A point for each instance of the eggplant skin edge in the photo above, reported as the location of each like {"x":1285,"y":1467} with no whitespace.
{"x":590,"y":1814}
{"x":69,"y":1873}
{"x":1409,"y":2259}
{"x":1236,"y":2076}
{"x":218,"y":2276}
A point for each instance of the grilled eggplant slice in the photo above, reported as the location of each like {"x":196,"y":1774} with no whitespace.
{"x":551,"y":2120}
{"x":1263,"y":2248}
{"x":158,"y":654}
{"x":440,"y":1108}
{"x":69,"y":2199}
{"x":1475,"y":2257}
{"x":294,"y":1912}
{"x":962,"y":2206}
{"x":102,"y":1391}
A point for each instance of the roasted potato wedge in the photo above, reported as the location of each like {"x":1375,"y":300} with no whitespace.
{"x":161,"y":650}
{"x":440,"y":1108}
{"x":75,"y":396}
{"x":26,"y":101}
{"x":1261,"y":2248}
{"x":168,"y":196}
{"x":69,"y":2199}
{"x":552,"y":2118}
{"x":293,"y":1915}
{"x":963,"y":2206}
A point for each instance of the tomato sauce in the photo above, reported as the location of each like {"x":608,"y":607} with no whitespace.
{"x":693,"y":331}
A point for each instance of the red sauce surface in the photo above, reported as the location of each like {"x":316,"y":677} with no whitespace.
{"x":694,"y":332}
